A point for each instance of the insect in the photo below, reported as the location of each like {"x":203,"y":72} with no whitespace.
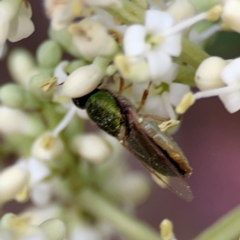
{"x":141,"y":135}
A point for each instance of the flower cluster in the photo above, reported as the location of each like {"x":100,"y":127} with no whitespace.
{"x":76,"y":181}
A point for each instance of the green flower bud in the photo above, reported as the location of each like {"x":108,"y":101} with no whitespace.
{"x":64,"y":38}
{"x":36,"y":86}
{"x":14,"y":96}
{"x":75,"y":65}
{"x":49,"y":54}
{"x":21,"y":65}
{"x":54,"y":229}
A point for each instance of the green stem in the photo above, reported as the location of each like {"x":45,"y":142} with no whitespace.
{"x":227,"y":227}
{"x":129,"y":13}
{"x":186,"y":76}
{"x":100,"y":207}
{"x":191,"y":54}
{"x":203,"y":5}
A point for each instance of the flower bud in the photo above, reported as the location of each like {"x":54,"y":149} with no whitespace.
{"x":187,"y":10}
{"x":54,"y":229}
{"x":21,"y":66}
{"x":166,"y":230}
{"x":92,"y":39}
{"x":36,"y":84}
{"x":49,"y":54}
{"x":12,"y":181}
{"x":105,"y":3}
{"x":13,"y":121}
{"x":47,"y":148}
{"x":64,"y":39}
{"x":92,"y":147}
{"x":41,"y":194}
{"x":208,"y":74}
{"x":132,"y":69}
{"x":230,"y":14}
{"x":82,"y":81}
{"x":135,"y":188}
{"x":75,"y":64}
{"x":12,"y":95}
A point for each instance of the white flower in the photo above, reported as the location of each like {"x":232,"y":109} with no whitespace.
{"x":83,"y":80}
{"x":163,"y":95}
{"x":40,"y":192}
{"x":62,"y":12}
{"x":12,"y":181}
{"x":229,"y":94}
{"x":187,"y":10}
{"x":230,"y":14}
{"x":92,"y":39}
{"x":160,"y":39}
{"x":22,"y":229}
{"x":47,"y":147}
{"x":208,"y":74}
{"x":92,"y":147}
{"x":231,"y":77}
{"x":15,"y":21}
{"x":149,"y":42}
{"x":8,"y":123}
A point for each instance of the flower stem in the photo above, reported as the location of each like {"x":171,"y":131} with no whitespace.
{"x":203,"y":5}
{"x":191,"y":54}
{"x":102,"y":208}
{"x":226,"y":227}
{"x":186,"y":76}
{"x":129,"y":13}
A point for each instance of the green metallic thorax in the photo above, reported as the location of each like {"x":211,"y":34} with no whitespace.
{"x":102,"y":107}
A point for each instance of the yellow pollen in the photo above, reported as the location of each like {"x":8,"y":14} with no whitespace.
{"x":47,"y":142}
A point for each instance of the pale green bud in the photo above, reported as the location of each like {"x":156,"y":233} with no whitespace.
{"x":49,"y":54}
{"x":75,"y":65}
{"x":36,"y":86}
{"x":14,"y":96}
{"x":64,"y":38}
{"x":54,"y":229}
{"x":21,"y":66}
{"x":12,"y":180}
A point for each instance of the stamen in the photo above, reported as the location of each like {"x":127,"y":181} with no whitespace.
{"x":65,"y":121}
{"x":185,"y":24}
{"x":218,"y":91}
{"x":208,"y":33}
{"x":212,"y":15}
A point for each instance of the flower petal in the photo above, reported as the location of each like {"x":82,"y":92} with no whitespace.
{"x":177,"y":91}
{"x":21,"y":29}
{"x":159,"y":64}
{"x":172,"y":45}
{"x":231,"y":101}
{"x":134,"y":41}
{"x":157,"y":21}
{"x":231,"y":73}
{"x":155,"y":106}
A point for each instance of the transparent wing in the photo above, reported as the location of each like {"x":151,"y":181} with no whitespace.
{"x":141,"y":143}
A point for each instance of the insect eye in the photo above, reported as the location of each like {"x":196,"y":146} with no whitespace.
{"x":80,"y":102}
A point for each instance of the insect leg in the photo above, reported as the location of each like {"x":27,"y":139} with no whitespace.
{"x":144,"y":97}
{"x":121,"y":85}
